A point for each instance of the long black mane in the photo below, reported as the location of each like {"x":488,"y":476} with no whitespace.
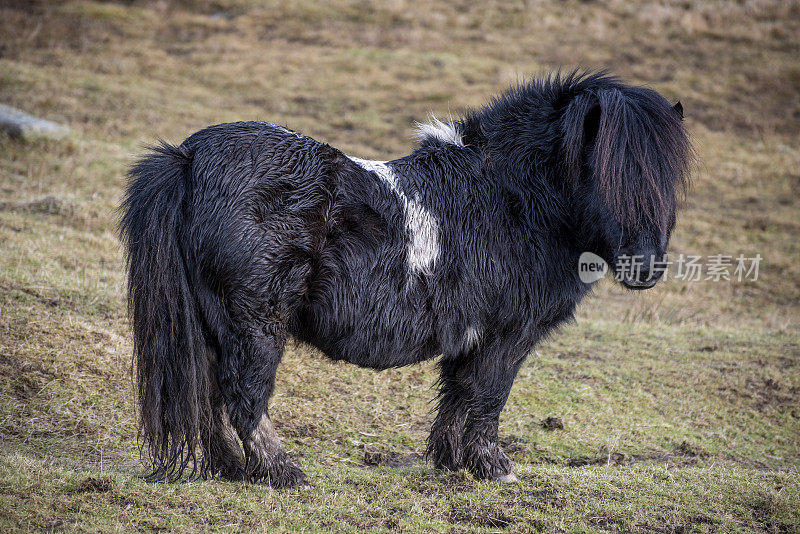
{"x":641,"y":153}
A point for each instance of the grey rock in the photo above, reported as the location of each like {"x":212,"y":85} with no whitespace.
{"x":19,"y":124}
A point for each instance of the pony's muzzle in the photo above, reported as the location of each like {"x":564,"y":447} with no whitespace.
{"x":639,"y":269}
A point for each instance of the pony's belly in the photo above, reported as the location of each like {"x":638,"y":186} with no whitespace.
{"x":378,"y":356}
{"x":366,"y":342}
{"x":378,"y":328}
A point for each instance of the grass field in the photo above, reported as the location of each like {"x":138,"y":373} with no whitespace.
{"x":680,"y":406}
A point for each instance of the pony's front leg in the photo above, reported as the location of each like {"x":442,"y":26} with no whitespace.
{"x":483,"y":456}
{"x":474,"y":390}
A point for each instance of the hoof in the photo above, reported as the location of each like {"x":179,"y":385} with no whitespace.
{"x":279,"y":472}
{"x":507,"y":478}
{"x":234,"y":475}
{"x":288,"y":478}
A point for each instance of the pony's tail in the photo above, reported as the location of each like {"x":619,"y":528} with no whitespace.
{"x":170,"y":352}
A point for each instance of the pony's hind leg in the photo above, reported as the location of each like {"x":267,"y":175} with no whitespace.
{"x":247,"y":378}
{"x":222,"y":454}
{"x":267,"y":462}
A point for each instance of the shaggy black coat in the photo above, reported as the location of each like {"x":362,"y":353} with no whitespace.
{"x":249,"y":233}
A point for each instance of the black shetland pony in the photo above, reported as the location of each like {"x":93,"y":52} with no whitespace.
{"x":248,"y":233}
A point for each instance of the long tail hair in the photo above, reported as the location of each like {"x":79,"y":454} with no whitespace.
{"x":170,"y":353}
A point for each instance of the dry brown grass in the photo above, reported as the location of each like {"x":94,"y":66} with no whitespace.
{"x":680,"y":405}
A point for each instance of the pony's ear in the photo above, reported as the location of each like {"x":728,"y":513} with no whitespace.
{"x":679,"y":108}
{"x":580,"y":126}
{"x":591,"y":123}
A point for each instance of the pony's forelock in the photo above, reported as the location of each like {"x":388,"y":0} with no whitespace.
{"x":641,"y":156}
